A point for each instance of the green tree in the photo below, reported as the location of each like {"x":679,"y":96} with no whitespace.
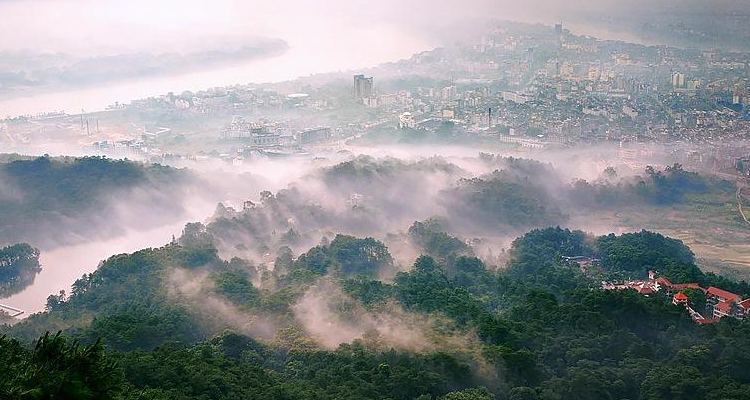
{"x":673,"y":382}
{"x":469,"y":394}
{"x":54,"y":369}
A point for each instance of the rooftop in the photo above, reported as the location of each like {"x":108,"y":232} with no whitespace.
{"x":680,"y":296}
{"x":723,"y":294}
{"x":723,"y":306}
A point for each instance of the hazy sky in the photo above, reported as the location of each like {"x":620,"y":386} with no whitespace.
{"x":116,"y":26}
{"x":323,"y":35}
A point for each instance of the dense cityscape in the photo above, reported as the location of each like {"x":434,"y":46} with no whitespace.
{"x":528,"y":86}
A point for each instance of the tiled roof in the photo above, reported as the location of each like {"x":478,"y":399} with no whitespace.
{"x":680,"y":296}
{"x":722,"y":293}
{"x":663,"y":281}
{"x":687,"y":286}
{"x":723,"y":306}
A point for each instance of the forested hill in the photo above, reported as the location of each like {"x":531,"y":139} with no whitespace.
{"x":178,"y":322}
{"x":45,"y":200}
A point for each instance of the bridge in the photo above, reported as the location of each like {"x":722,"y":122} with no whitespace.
{"x":12,"y":311}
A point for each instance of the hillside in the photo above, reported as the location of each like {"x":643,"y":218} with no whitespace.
{"x":47,"y":201}
{"x":178,"y":322}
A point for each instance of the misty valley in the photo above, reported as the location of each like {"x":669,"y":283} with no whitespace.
{"x":372,"y":277}
{"x":392,"y":200}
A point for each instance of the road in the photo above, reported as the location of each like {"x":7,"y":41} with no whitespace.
{"x":740,"y":187}
{"x":740,"y":182}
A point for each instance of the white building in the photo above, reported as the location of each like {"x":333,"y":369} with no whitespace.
{"x":406,"y":120}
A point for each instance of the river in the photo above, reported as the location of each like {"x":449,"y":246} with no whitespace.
{"x":305,"y":57}
{"x":63,"y":265}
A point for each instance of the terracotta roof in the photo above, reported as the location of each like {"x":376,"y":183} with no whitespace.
{"x":663,"y":281}
{"x":687,"y":286}
{"x":680,"y":296}
{"x":644,"y":289}
{"x":745,"y":304}
{"x":723,"y":306}
{"x":722,"y":293}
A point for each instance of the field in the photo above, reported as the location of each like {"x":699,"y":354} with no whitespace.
{"x":709,"y":223}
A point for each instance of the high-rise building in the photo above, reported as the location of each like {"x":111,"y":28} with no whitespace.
{"x":448,"y":93}
{"x":593,"y":73}
{"x":530,"y":55}
{"x":678,"y":79}
{"x":362,"y":87}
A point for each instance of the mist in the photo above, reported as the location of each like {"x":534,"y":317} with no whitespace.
{"x":485,"y":199}
{"x":267,"y":207}
{"x":253,"y":210}
{"x":382,"y":196}
{"x":77,"y":46}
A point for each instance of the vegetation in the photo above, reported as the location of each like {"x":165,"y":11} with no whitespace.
{"x":54,"y":369}
{"x":503,"y":199}
{"x":430,"y":235}
{"x":348,"y":256}
{"x":661,"y":188}
{"x":537,"y":329}
{"x":642,"y":251}
{"x":43,"y":195}
{"x":380,"y":171}
{"x":19,"y":265}
{"x":235,"y":284}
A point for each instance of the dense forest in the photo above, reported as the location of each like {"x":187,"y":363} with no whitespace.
{"x":488,"y":196}
{"x":340,"y":286}
{"x":660,"y":188}
{"x":178,"y":322}
{"x":42,"y":198}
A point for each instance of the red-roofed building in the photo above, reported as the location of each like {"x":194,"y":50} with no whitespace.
{"x":643,"y":289}
{"x":732,"y":309}
{"x":680,"y":299}
{"x":681,"y":286}
{"x":671,"y":288}
{"x":721,"y":295}
{"x":663,"y":283}
{"x":743,"y":309}
{"x":722,"y":309}
{"x":721,"y":303}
